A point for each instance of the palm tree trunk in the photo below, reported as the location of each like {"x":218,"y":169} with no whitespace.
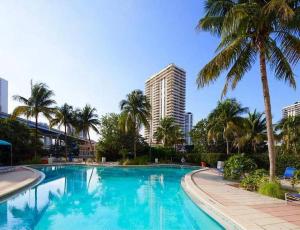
{"x":254,"y":148}
{"x":66,"y":150}
{"x":36,"y":137}
{"x":134,"y":141}
{"x":266,"y":94}
{"x":288,"y":142}
{"x":227,"y":146}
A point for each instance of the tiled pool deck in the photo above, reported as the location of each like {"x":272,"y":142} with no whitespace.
{"x":245,"y":210}
{"x":17,"y":180}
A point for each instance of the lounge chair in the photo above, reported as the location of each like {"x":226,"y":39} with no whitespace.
{"x":289,"y":172}
{"x":5,"y":169}
{"x":292,"y":197}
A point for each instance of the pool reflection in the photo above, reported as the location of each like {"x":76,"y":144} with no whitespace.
{"x":27,"y":208}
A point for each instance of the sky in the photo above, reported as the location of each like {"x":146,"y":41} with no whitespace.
{"x":96,"y":52}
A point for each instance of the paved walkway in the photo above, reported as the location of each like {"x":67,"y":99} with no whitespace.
{"x":248,"y":210}
{"x":11,"y":182}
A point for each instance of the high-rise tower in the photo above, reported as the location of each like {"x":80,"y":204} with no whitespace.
{"x":166,"y":93}
{"x":188,"y":125}
{"x":3,"y":96}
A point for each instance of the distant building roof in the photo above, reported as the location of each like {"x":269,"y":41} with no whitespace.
{"x":168,"y":66}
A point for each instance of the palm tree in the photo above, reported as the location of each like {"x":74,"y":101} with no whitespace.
{"x":289,"y":132}
{"x":225,"y":120}
{"x":168,"y":132}
{"x":63,"y":117}
{"x":87,"y":119}
{"x":250,"y":29}
{"x":135,"y":112}
{"x":39,"y":102}
{"x":253,"y":130}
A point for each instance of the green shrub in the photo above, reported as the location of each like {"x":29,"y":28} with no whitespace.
{"x":286,"y":160}
{"x":212,"y":158}
{"x":162,"y":153}
{"x":262,"y":160}
{"x":252,"y":181}
{"x":20,"y":135}
{"x":33,"y":161}
{"x":142,"y":160}
{"x":193,"y":158}
{"x":237,"y":165}
{"x":123,"y":153}
{"x":272,"y":189}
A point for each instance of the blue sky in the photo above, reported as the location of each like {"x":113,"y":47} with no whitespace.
{"x":97,"y":51}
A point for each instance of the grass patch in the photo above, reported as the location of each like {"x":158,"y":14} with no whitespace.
{"x":272,"y":189}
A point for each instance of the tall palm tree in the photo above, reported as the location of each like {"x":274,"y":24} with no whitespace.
{"x":253,"y":130}
{"x":63,"y":117}
{"x":289,"y":132}
{"x":168,"y":132}
{"x":225,"y":120}
{"x":87,"y":119}
{"x":135,"y":112}
{"x":268,"y":30}
{"x":39,"y":102}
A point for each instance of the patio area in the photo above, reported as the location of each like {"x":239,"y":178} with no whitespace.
{"x":16,"y":180}
{"x":247,"y":210}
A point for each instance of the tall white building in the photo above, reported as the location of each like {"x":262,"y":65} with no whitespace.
{"x":166,"y":93}
{"x":3,"y":96}
{"x":188,"y":125}
{"x":291,"y":110}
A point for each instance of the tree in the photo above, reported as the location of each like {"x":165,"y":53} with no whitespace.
{"x":168,"y":132}
{"x":135,"y":112}
{"x":63,"y":116}
{"x":268,"y":30}
{"x":199,"y":136}
{"x":112,"y":138}
{"x":21,"y":138}
{"x":225,"y":120}
{"x":253,"y":131}
{"x":87,"y":119}
{"x":256,"y":129}
{"x":39,"y":102}
{"x":289,"y":133}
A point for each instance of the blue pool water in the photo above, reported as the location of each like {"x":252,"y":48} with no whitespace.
{"x":112,"y":198}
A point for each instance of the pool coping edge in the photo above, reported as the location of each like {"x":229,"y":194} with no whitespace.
{"x":206,"y":203}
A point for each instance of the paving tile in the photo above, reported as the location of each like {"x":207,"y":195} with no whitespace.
{"x":292,"y":218}
{"x":250,"y":209}
{"x":295,"y":222}
{"x":281,"y":226}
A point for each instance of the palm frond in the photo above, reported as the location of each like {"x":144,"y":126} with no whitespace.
{"x":212,"y":24}
{"x":280,"y":8}
{"x":21,"y":99}
{"x":242,"y":65}
{"x":281,"y":66}
{"x":291,"y":47}
{"x":222,"y":61}
{"x":22,"y":110}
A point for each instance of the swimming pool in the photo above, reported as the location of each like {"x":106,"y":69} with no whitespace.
{"x":84,"y":197}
